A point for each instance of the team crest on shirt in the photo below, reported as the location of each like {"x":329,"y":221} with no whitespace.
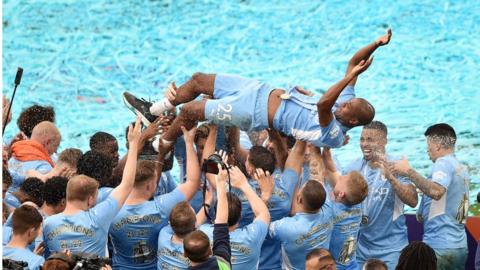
{"x":438,"y":175}
{"x":334,"y":132}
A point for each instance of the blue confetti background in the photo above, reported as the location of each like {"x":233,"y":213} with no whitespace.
{"x":79,"y":56}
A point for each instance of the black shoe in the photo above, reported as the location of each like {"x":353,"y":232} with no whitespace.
{"x":139,"y":106}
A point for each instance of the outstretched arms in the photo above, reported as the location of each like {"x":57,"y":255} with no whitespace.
{"x":327,"y":101}
{"x":192,"y":183}
{"x":365,"y":52}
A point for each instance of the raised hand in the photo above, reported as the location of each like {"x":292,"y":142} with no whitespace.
{"x":385,"y":39}
{"x":221,"y":177}
{"x":189,"y":135}
{"x":266,"y":182}
{"x":400,"y":167}
{"x":134,"y":132}
{"x":362,"y":66}
{"x":328,"y":160}
{"x":238,"y":179}
{"x":171,"y":93}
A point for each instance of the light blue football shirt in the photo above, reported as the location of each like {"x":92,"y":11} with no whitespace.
{"x":170,"y":255}
{"x":18,"y":170}
{"x":134,"y":231}
{"x":103,"y":194}
{"x":25,"y":255}
{"x":11,"y":200}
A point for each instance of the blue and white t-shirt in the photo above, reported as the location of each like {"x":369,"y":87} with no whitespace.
{"x":383,"y":219}
{"x":301,"y":234}
{"x":170,"y":255}
{"x":444,"y":219}
{"x":346,"y":224}
{"x":298,"y":116}
{"x":24,"y":255}
{"x":279,"y":207}
{"x":245,"y":242}
{"x":85,"y":231}
{"x":18,"y":170}
{"x":134,"y":231}
{"x":103,"y":194}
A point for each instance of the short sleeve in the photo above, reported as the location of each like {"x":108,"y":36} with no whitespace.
{"x":441,"y":173}
{"x":332,"y":135}
{"x":257,"y":231}
{"x":166,"y":202}
{"x":104,"y":212}
{"x":288,"y":181}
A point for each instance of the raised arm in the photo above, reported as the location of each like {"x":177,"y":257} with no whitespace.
{"x":280,"y":148}
{"x":239,"y":152}
{"x":429,"y":188}
{"x":192,"y":183}
{"x":201,"y":216}
{"x":406,"y":192}
{"x":331,"y":173}
{"x":365,"y":53}
{"x":222,"y":202}
{"x":317,"y":167}
{"x":296,"y":157}
{"x":121,"y":192}
{"x":259,"y":208}
{"x":327,"y":101}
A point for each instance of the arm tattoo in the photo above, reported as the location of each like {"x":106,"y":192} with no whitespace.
{"x":406,"y":193}
{"x":429,"y":188}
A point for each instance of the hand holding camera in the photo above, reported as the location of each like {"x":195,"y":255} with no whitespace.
{"x":239,"y":180}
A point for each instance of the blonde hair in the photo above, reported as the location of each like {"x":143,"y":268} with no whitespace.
{"x":80,"y":187}
{"x":357,"y":188}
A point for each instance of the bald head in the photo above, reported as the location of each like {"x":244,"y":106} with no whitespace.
{"x":48,"y":135}
{"x":80,"y":187}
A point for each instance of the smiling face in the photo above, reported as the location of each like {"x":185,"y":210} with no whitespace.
{"x":372,"y":143}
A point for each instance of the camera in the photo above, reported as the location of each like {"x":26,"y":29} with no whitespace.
{"x":80,"y":261}
{"x":210,"y":164}
{"x":14,"y":265}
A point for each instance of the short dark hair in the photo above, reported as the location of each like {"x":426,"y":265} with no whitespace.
{"x":24,"y":218}
{"x":234,"y":209}
{"x":197,"y":246}
{"x":182,"y":219}
{"x":313,"y":195}
{"x":97,"y":166}
{"x":261,"y":157}
{"x":443,"y":134}
{"x":34,"y":115}
{"x":6,"y":177}
{"x":375,"y":264}
{"x":55,"y":190}
{"x":417,"y":256}
{"x":99,"y":139}
{"x":377,"y":125}
{"x":34,"y":189}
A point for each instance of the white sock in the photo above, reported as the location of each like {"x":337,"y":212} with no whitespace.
{"x":161,"y":106}
{"x":156,"y":142}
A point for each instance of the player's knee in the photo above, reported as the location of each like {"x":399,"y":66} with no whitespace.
{"x":198,"y":77}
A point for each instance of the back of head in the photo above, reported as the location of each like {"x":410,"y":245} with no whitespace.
{"x":417,"y":256}
{"x":261,"y":157}
{"x":34,"y":115}
{"x":375,"y":264}
{"x":365,"y":112}
{"x":320,"y":258}
{"x":234,"y":209}
{"x":55,"y":190}
{"x":357,"y":189}
{"x":24,"y":218}
{"x":97,"y":166}
{"x":182,"y":219}
{"x":442,"y":134}
{"x":70,"y":157}
{"x":313,"y":196}
{"x":46,"y":132}
{"x":80,"y":187}
{"x":377,"y":125}
{"x":34,"y":189}
{"x":196,"y":246}
{"x":99,"y":139}
{"x":145,"y":172}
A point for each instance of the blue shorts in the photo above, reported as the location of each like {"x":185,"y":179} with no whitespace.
{"x":240,"y":102}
